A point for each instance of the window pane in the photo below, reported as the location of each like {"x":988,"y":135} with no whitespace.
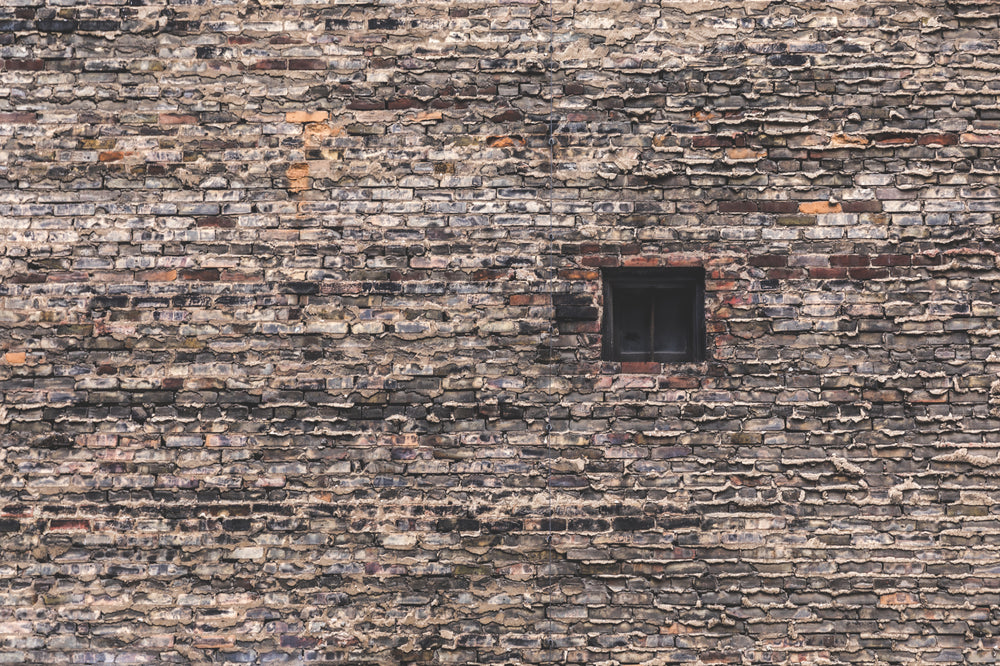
{"x":632,"y":314}
{"x":672,"y":325}
{"x":654,"y":314}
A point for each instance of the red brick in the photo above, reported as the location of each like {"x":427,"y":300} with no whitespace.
{"x":894,"y":138}
{"x":306,"y":63}
{"x":200,"y":274}
{"x":849,"y":260}
{"x":898,"y":599}
{"x":886,"y":395}
{"x":771,"y":206}
{"x":27,"y":278}
{"x":785,"y":273}
{"x":24,"y":64}
{"x":568,"y":327}
{"x":529,"y":299}
{"x":827,"y":273}
{"x":163,"y":275}
{"x":240,"y":276}
{"x":218,"y":221}
{"x":271,"y":63}
{"x":507,"y":116}
{"x":19,"y":118}
{"x":938,"y":139}
{"x":489,"y":274}
{"x":69,"y":524}
{"x":891,"y":260}
{"x":366,"y":104}
{"x":868,"y":206}
{"x":867,"y":273}
{"x":676,"y":382}
{"x":641,"y":368}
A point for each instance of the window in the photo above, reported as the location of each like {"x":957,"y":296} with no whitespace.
{"x":655,"y":314}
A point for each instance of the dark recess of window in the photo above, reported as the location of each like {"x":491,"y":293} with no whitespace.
{"x":654,"y":314}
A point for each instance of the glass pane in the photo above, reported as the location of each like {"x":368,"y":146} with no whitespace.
{"x":632,"y":314}
{"x":672,"y":325}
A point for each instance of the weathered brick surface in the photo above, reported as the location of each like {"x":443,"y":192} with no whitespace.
{"x":299,"y":330}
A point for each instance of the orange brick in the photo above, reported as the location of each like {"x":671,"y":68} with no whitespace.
{"x":529,"y":299}
{"x":898,"y":599}
{"x":298,"y":175}
{"x":745,"y":154}
{"x":504,"y":141}
{"x":839,"y":140}
{"x":15,"y":358}
{"x":306,"y":116}
{"x":428,"y":116}
{"x":818,"y":208}
{"x":156,"y":276}
{"x":980,"y":139}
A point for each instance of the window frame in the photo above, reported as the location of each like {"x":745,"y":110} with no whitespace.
{"x":689,"y":279}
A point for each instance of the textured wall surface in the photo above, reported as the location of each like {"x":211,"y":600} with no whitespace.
{"x":300,"y":332}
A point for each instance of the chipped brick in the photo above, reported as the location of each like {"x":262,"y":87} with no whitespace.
{"x":819,"y":208}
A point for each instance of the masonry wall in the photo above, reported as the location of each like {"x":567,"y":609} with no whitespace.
{"x":300,"y":326}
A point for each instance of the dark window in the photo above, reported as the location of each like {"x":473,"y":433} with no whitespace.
{"x":654,"y":314}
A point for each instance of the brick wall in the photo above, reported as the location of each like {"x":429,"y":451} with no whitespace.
{"x":300,"y":329}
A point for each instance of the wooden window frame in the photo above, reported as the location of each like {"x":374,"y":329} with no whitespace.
{"x":690,"y":280}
